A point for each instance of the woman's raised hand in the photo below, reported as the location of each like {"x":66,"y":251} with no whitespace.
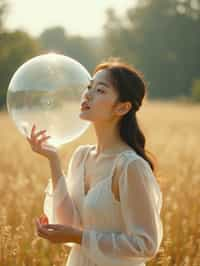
{"x":38,"y":145}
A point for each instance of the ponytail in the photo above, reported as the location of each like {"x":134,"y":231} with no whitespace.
{"x":131,"y":133}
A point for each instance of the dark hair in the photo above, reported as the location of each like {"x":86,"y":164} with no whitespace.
{"x":131,"y":87}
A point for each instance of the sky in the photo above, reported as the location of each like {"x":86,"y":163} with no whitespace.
{"x":84,"y":17}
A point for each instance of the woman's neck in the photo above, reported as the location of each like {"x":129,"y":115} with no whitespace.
{"x":108,"y":139}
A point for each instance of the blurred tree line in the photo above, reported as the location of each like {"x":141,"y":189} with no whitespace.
{"x":161,"y":38}
{"x":15,"y":48}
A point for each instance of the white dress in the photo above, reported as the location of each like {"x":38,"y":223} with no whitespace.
{"x":115,"y":233}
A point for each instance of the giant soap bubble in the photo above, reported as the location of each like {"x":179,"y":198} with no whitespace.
{"x":46,"y":91}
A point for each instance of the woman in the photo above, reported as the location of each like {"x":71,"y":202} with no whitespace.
{"x":108,"y":206}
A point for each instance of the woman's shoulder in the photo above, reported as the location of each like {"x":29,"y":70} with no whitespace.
{"x":79,"y":152}
{"x":77,"y":156}
{"x":132,"y":158}
{"x":80,"y":148}
{"x":133,"y":163}
{"x":130,"y":155}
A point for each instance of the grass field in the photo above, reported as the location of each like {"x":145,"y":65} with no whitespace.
{"x":172,"y":133}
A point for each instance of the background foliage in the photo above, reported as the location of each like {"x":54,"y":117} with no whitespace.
{"x":161,"y":38}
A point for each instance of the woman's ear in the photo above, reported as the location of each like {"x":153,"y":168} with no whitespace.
{"x":123,"y":108}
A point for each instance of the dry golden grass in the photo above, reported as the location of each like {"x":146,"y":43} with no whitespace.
{"x":172,"y":133}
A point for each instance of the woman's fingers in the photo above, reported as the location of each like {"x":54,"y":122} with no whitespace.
{"x":37,"y":139}
{"x":33,"y":131}
{"x":39,"y":133}
{"x":34,"y":137}
{"x":43,"y":139}
{"x":51,"y":226}
{"x":43,"y":219}
{"x":41,"y":230}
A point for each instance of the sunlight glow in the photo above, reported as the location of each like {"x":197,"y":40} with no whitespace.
{"x":77,"y":17}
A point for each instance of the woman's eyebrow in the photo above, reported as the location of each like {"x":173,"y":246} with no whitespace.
{"x":98,"y":83}
{"x":101,"y":83}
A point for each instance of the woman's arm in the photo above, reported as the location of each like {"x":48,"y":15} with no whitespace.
{"x":58,"y":204}
{"x":56,"y":171}
{"x":62,"y":203}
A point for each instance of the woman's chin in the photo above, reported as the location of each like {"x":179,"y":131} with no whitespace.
{"x":83,"y":116}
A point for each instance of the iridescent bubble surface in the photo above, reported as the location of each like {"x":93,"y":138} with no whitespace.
{"x":46,"y":91}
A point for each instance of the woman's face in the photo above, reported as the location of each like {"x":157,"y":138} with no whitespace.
{"x":101,"y":97}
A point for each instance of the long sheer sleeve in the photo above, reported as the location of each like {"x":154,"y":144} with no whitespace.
{"x":58,"y":204}
{"x":141,"y":201}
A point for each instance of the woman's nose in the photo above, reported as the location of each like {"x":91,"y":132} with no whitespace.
{"x":88,"y":95}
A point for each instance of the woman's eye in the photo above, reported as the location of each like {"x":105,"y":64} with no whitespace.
{"x":100,"y":90}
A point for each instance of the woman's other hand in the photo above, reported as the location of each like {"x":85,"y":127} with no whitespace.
{"x":58,"y":233}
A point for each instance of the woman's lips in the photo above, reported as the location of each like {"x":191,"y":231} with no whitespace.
{"x":84,"y":106}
